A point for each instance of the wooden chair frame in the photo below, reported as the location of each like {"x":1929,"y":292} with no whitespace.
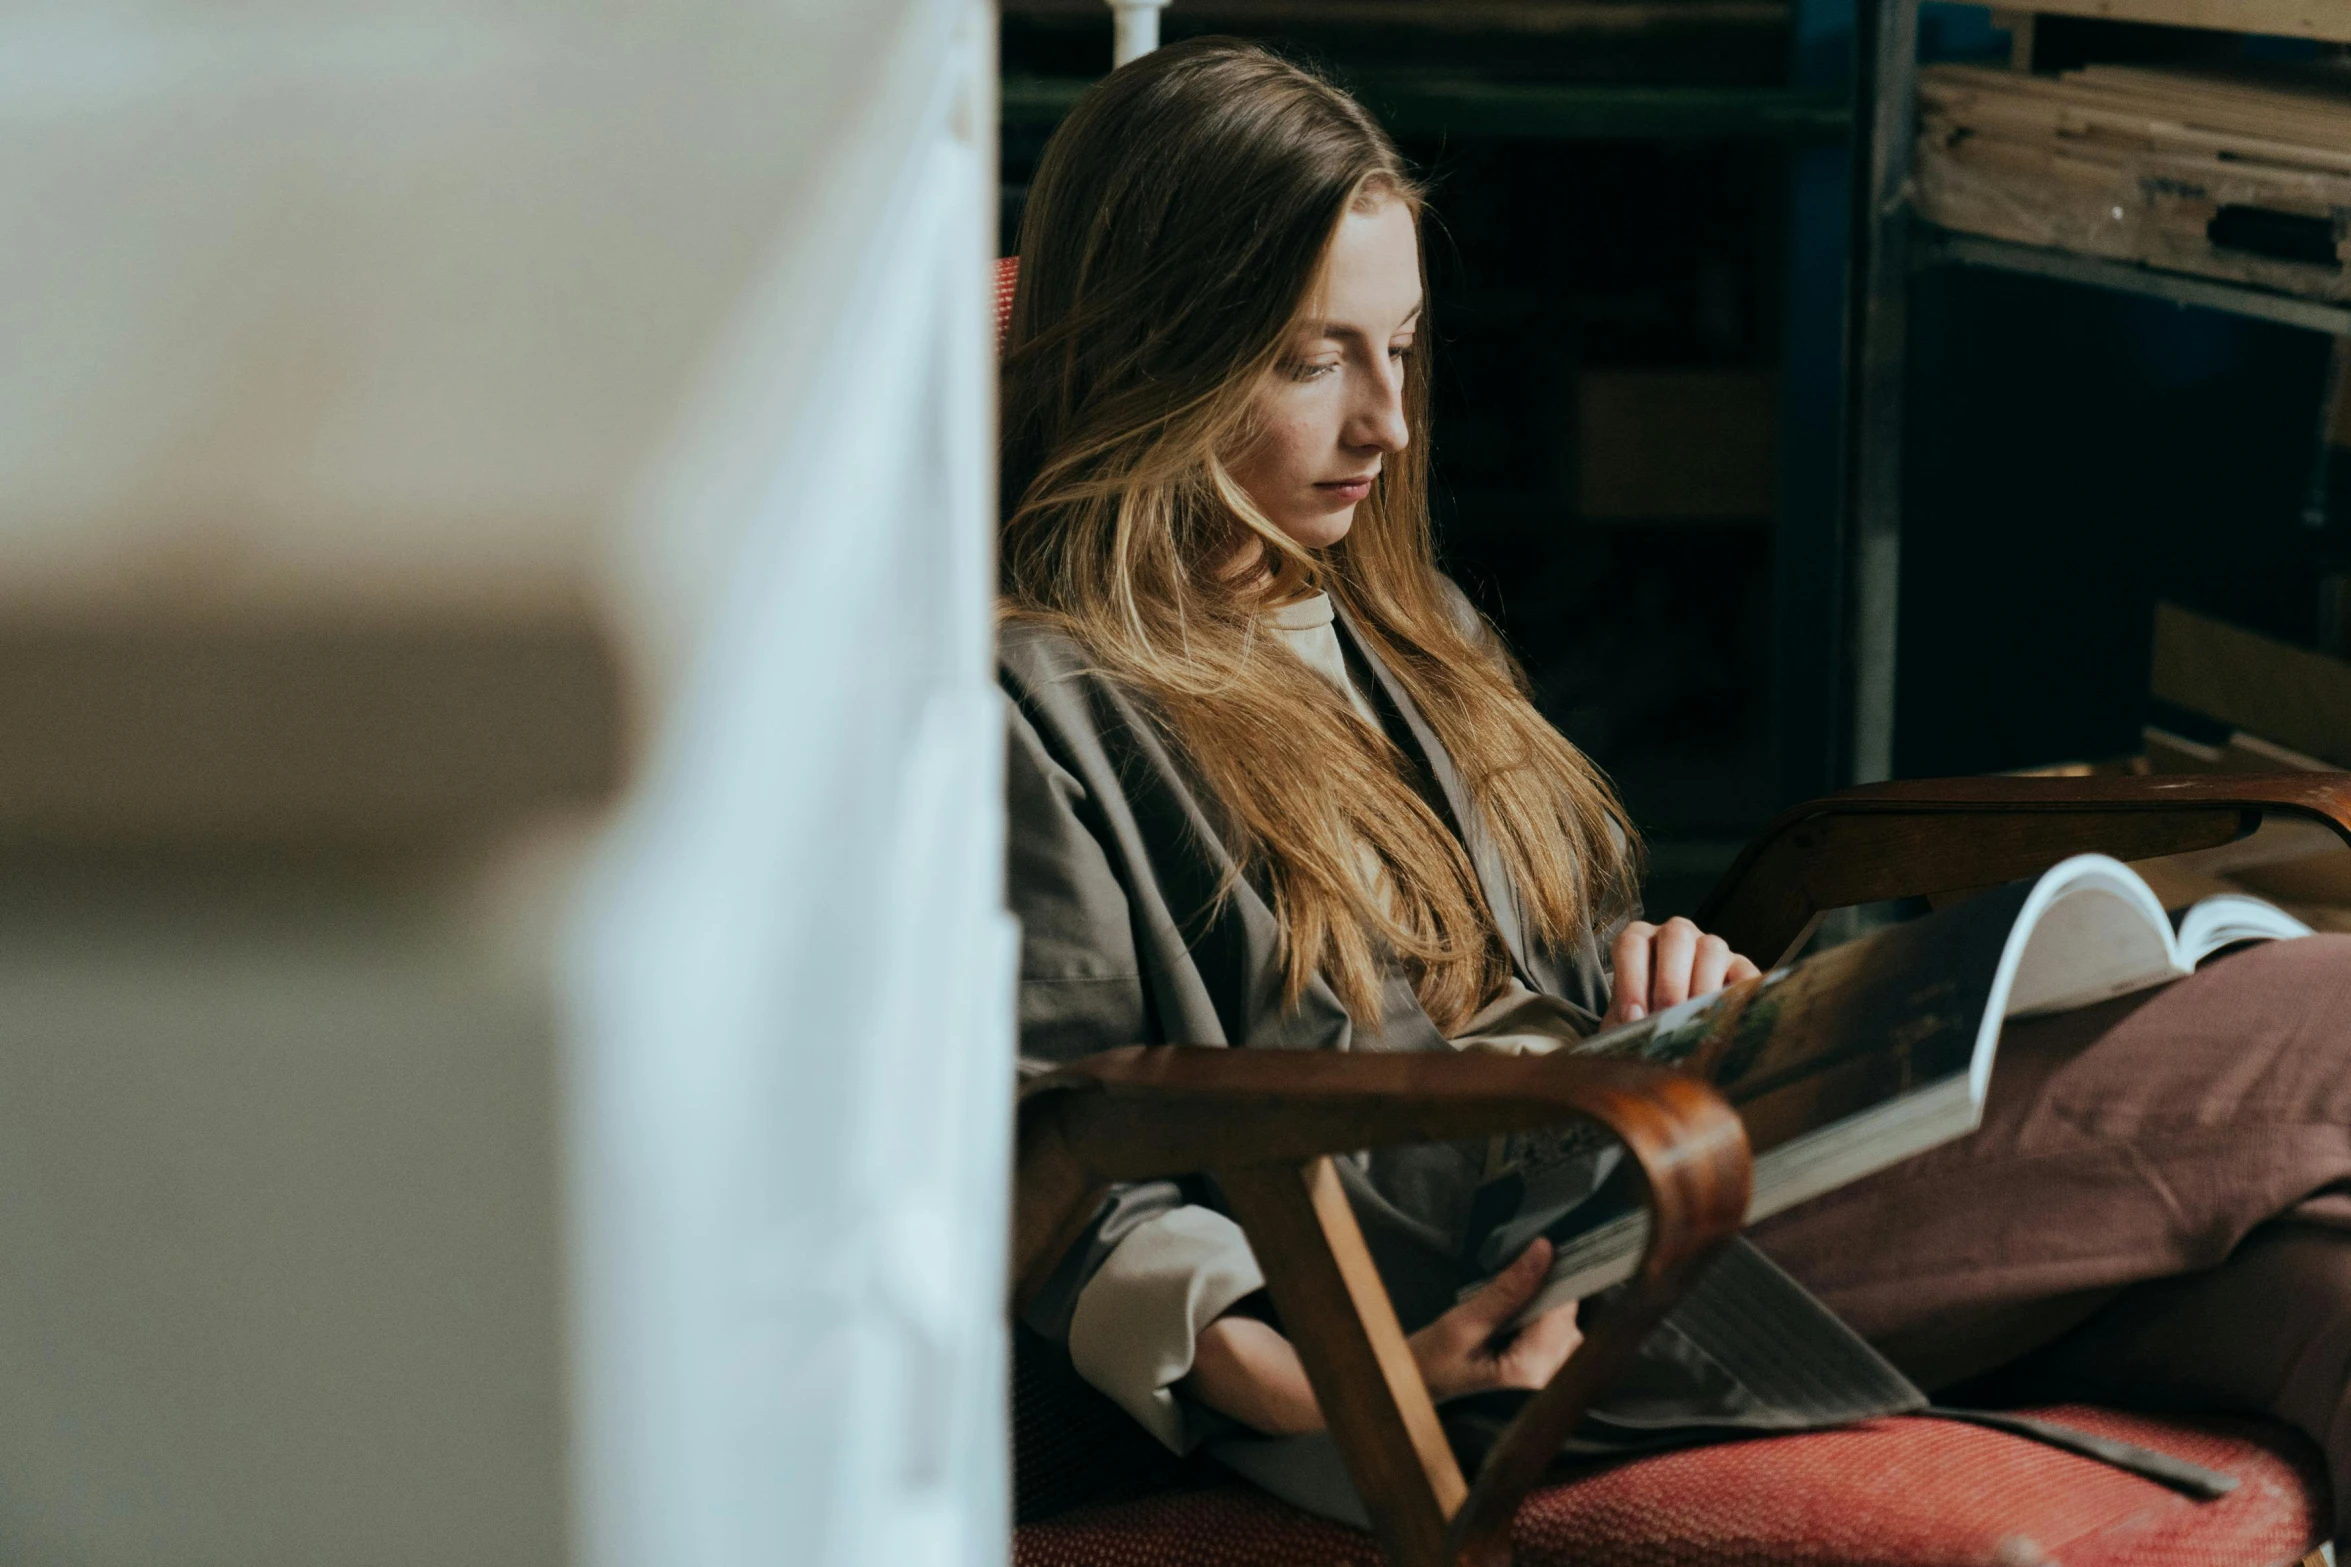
{"x":1265,"y":1124}
{"x":1931,"y":837}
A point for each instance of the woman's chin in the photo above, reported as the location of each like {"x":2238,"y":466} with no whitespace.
{"x":1321,"y":529}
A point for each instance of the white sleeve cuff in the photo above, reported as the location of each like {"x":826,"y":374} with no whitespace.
{"x":1132,"y":1332}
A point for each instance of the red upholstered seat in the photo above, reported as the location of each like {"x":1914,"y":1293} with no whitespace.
{"x":1007,"y":281}
{"x":1893,"y":1493}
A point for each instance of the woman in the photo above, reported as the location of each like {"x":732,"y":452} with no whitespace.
{"x":1274,"y":784}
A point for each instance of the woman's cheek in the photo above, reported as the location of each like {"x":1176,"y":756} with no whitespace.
{"x":1299,"y":440}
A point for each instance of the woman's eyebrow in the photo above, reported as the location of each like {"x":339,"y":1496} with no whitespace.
{"x":1346,"y":332}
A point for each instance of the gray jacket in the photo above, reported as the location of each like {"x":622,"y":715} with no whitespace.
{"x":1116,"y":862}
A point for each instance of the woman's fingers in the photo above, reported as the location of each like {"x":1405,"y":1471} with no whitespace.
{"x":1541,"y":1348}
{"x":1455,"y":1353}
{"x":1660,"y":966}
{"x":1709,"y":966}
{"x":1488,"y":1311}
{"x":1675,"y":951}
{"x":1632,"y":973}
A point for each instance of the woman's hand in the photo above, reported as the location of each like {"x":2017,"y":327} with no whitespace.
{"x":1245,"y":1369}
{"x":1660,"y":966}
{"x":1471,"y":1349}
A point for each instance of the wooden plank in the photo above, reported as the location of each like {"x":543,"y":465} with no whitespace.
{"x":2135,"y":165}
{"x":2268,"y":125}
{"x":1337,"y":1314}
{"x":2317,"y":89}
{"x":2264,"y":99}
{"x":2329,"y":20}
{"x":2268,"y":688}
{"x":251,"y":733}
{"x":2282,"y":105}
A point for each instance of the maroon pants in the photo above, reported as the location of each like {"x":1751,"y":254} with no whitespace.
{"x":2156,"y":1210}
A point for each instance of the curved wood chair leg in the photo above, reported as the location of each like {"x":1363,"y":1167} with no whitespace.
{"x":1344,"y":1327}
{"x":1692,"y":1152}
{"x":1696,"y":1205}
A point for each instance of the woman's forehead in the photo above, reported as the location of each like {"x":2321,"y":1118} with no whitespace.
{"x":1370,"y":280}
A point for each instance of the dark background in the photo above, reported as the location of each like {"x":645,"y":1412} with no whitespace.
{"x":2071,"y":457}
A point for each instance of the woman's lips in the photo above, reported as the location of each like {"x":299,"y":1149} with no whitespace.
{"x":1348,"y":491}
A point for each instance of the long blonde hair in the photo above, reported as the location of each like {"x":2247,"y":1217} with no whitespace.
{"x":1178,"y":221}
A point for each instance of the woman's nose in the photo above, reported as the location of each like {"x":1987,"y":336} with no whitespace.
{"x":1379,"y":421}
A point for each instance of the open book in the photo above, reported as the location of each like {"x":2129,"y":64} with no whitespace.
{"x":1854,"y":1059}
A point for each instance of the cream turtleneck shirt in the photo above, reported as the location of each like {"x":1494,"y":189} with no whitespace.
{"x":1307,"y":625}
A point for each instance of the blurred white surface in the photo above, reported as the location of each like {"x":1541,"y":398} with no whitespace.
{"x":280,"y":1194}
{"x":380,"y":297}
{"x":796,"y":1098}
{"x":632,"y":1193}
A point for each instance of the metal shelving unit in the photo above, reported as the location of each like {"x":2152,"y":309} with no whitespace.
{"x":1891,"y":243}
{"x":1938,"y":248}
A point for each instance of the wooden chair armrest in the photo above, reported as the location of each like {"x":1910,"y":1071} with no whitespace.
{"x":1146,"y":1112}
{"x":1264,"y":1122}
{"x":1921,"y":837}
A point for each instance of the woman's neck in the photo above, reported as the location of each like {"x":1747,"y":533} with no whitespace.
{"x":1250,"y":574}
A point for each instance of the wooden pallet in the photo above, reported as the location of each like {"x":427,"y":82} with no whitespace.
{"x":2236,"y":174}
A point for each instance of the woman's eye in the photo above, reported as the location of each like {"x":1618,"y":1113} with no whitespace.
{"x":1312,"y":372}
{"x":1399,"y":351}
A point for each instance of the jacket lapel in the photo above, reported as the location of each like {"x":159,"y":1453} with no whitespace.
{"x":1501,"y":895}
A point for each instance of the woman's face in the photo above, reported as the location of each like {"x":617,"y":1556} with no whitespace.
{"x":1333,"y":409}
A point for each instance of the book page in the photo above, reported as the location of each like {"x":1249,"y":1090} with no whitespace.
{"x":1851,"y":1061}
{"x":2228,"y":918}
{"x":1801,"y":1049}
{"x":2091,"y":930}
